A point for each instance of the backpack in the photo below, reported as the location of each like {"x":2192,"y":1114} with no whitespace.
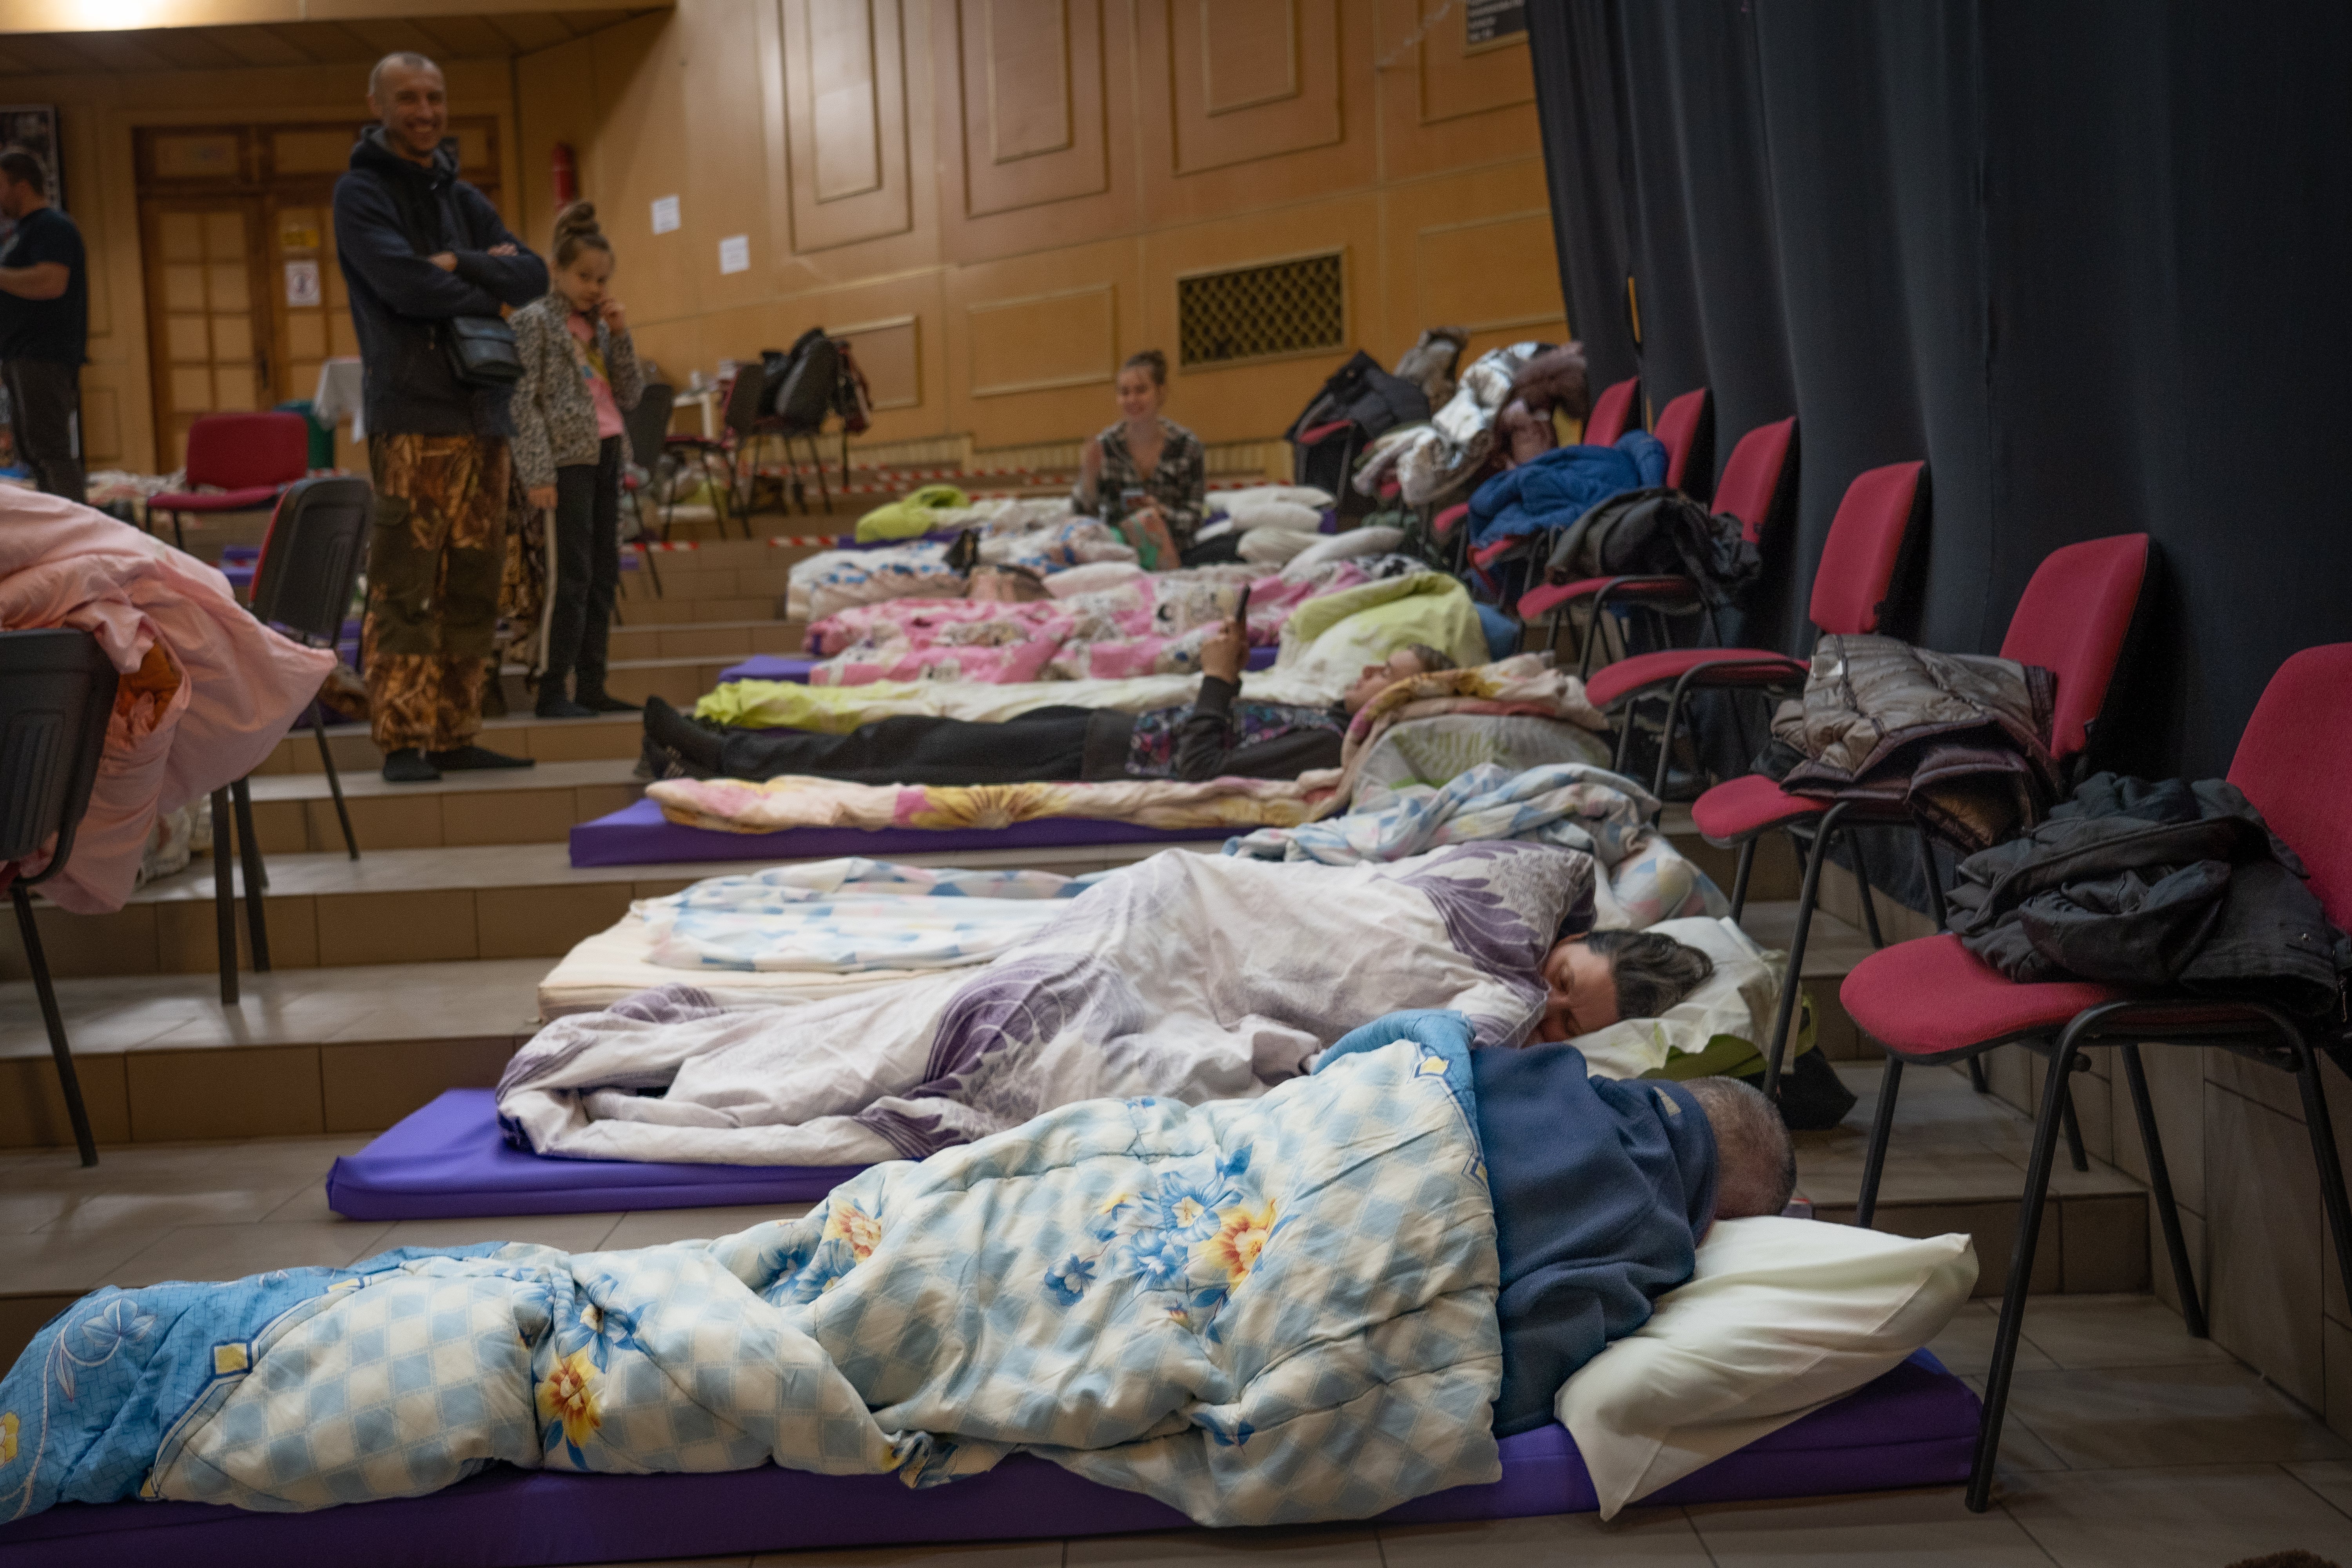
{"x":1364,"y":395}
{"x":798,"y":384}
{"x":1659,"y":532}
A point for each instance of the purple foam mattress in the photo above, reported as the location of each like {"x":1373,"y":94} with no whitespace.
{"x":795,"y":666}
{"x":1914,"y":1427}
{"x":638,"y":834}
{"x":449,"y":1161}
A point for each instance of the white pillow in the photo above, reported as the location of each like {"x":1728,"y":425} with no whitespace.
{"x":1780,"y":1316}
{"x":1250,"y":516}
{"x":1738,"y":998}
{"x":1341,"y":547}
{"x":1273,"y":546}
{"x":1252,"y":495}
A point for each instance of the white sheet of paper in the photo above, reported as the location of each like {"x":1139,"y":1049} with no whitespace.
{"x":302,"y":283}
{"x":665,"y":214}
{"x":735,"y":253}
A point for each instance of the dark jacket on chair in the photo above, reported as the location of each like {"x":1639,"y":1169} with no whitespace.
{"x":390,"y":216}
{"x":2158,"y":885}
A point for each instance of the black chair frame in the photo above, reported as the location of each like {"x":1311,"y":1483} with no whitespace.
{"x":2276,"y":1041}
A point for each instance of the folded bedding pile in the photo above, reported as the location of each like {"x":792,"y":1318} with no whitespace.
{"x":1040,"y":535}
{"x":206,"y":689}
{"x":1266,"y":1310}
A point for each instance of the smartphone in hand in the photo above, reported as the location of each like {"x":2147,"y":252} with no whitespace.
{"x":1241,"y":609}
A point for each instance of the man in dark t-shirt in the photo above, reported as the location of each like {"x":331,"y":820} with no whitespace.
{"x":44,"y":325}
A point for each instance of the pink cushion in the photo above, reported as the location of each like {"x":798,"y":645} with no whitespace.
{"x":1745,"y":806}
{"x":1678,"y":431}
{"x":252,"y":497}
{"x":1612,"y":413}
{"x":1933,"y":998}
{"x":2072,"y":619}
{"x":1445,"y":521}
{"x":1735,"y":666}
{"x":2292,"y":763}
{"x":1857,"y":568}
{"x":1487,"y":554}
{"x":1752,"y":479}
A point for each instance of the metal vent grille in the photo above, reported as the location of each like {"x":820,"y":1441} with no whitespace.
{"x":1258,"y":312}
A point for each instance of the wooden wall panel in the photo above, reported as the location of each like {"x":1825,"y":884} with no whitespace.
{"x":1030,"y":73}
{"x":1445,"y":105}
{"x":1253,"y":79}
{"x":1068,"y":337}
{"x":1474,"y":250}
{"x":845,"y":122}
{"x":889,"y":354}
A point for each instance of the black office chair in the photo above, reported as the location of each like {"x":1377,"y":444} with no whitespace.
{"x":310,"y":561}
{"x":57,"y":692}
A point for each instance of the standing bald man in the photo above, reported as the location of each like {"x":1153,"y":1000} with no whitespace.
{"x":419,"y":247}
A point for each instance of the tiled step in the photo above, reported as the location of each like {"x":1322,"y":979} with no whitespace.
{"x":414,"y":906}
{"x":703,"y":639}
{"x":681,"y":681}
{"x":1957,"y":1161}
{"x":305,"y":1052}
{"x":517,"y":735}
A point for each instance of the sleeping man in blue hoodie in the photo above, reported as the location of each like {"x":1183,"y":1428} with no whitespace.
{"x":1602,"y":1191}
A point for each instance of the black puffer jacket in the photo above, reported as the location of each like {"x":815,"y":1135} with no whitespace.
{"x":390,"y":216}
{"x":2158,"y":885}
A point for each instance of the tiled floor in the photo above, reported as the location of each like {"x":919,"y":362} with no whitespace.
{"x":2128,"y":1443}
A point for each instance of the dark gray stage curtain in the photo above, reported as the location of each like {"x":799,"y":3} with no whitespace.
{"x":2087,"y":259}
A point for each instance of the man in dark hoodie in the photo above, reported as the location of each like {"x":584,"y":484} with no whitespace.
{"x":419,"y":247}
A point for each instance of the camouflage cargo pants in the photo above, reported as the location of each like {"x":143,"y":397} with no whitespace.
{"x":433,"y":565}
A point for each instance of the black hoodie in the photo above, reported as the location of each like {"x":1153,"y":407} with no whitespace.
{"x":390,"y":214}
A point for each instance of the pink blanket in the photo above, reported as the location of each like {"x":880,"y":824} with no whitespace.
{"x":1148,"y":626}
{"x":207,"y":689}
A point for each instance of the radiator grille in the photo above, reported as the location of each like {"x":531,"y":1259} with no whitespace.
{"x":1256,"y":312}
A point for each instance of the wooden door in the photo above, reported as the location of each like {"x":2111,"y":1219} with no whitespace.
{"x":209,"y":323}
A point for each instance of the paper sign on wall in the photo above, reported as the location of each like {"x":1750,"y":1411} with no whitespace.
{"x":301,"y":284}
{"x":735,"y":253}
{"x":665,"y":214}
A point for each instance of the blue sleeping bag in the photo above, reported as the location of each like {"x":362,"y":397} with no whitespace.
{"x":1555,"y":489}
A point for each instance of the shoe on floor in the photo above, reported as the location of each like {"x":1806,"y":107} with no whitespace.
{"x":604,"y":702}
{"x":474,"y":758}
{"x":562,"y":707}
{"x":673,"y":731}
{"x":407,"y":764}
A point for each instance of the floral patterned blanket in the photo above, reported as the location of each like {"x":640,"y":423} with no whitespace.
{"x":1259,"y":1312}
{"x":771,"y":805}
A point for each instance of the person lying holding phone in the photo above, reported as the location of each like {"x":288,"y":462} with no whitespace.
{"x":1218,"y":734}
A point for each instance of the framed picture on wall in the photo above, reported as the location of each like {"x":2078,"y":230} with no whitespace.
{"x":33,"y":127}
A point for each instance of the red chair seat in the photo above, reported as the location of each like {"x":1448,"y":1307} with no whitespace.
{"x":251,"y":498}
{"x":1487,"y":554}
{"x":1444,"y":523}
{"x":1933,"y":999}
{"x":1751,"y":667}
{"x":1742,"y":807}
{"x":1541,"y":601}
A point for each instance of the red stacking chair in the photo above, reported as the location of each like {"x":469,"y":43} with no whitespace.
{"x":1932,"y":1001}
{"x":1851,"y":587}
{"x":250,"y":457}
{"x":2073,"y":619}
{"x":1687,"y":428}
{"x":1612,"y":413}
{"x":1753,"y":487}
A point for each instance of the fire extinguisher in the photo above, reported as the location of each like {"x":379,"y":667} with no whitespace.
{"x":567,"y":178}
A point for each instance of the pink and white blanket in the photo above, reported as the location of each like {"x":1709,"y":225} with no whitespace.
{"x":207,"y":689}
{"x":1146,"y":624}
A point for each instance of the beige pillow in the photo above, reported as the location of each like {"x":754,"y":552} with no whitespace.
{"x":1780,"y":1316}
